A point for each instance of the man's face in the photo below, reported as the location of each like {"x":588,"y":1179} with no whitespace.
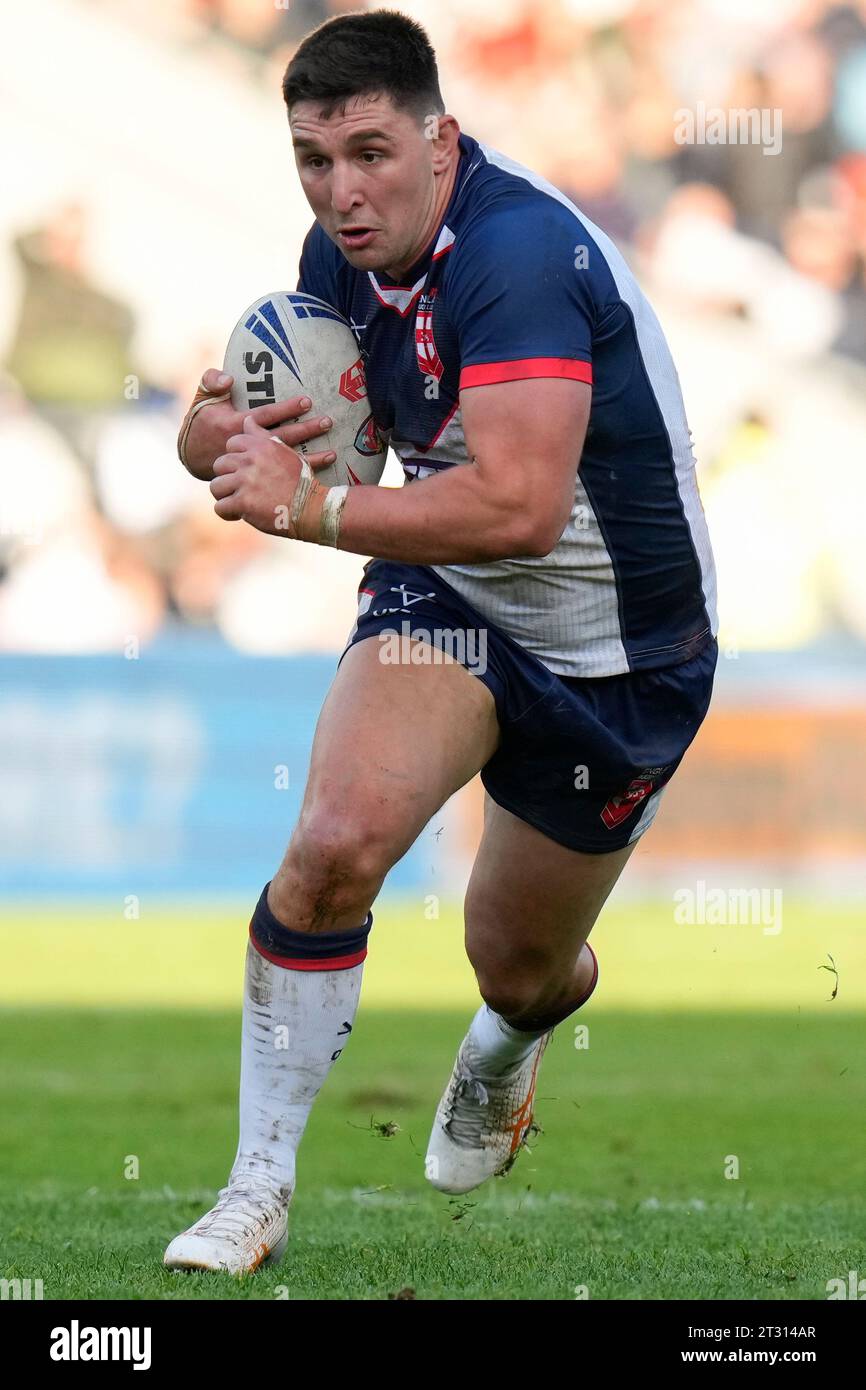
{"x":368,"y":176}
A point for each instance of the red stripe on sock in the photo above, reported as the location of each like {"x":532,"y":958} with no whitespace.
{"x":305,"y":963}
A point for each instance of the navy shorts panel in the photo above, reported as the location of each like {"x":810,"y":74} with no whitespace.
{"x":393,"y":594}
{"x":582,"y":760}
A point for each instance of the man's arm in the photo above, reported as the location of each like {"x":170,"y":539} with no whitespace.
{"x":513,"y":499}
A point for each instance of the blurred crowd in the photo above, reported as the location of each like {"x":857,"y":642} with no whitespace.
{"x":755,"y":260}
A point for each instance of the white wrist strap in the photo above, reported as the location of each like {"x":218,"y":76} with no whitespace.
{"x":302,"y":491}
{"x":332,"y":511}
{"x":332,"y":507}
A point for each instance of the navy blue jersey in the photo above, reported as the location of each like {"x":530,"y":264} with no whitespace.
{"x":517,"y":283}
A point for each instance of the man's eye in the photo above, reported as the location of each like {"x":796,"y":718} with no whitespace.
{"x":373,"y":154}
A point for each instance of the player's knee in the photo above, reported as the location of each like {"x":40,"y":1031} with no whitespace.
{"x":338,"y":858}
{"x":513,"y":995}
{"x":514,"y":988}
{"x":510,"y":1002}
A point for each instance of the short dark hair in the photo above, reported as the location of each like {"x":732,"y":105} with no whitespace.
{"x":376,"y":53}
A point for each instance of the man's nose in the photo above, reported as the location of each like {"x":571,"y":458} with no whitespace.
{"x":345,"y":194}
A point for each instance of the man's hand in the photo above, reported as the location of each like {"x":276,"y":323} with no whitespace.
{"x":256,"y":478}
{"x":215,"y":423}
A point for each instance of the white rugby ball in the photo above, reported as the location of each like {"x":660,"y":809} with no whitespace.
{"x":291,"y":344}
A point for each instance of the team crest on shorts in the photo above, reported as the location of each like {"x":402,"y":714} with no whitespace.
{"x":620,"y":807}
{"x":429,"y":361}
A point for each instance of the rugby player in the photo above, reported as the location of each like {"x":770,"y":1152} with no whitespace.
{"x":551,"y":505}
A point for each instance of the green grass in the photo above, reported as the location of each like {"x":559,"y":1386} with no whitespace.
{"x":192,"y":957}
{"x":624,"y":1192}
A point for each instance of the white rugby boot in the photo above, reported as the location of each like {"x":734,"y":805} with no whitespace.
{"x":247,"y":1228}
{"x":481,"y":1124}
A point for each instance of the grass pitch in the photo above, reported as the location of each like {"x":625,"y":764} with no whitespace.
{"x":120,"y":1124}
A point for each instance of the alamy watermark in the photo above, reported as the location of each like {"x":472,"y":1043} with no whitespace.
{"x":424,"y":646}
{"x":77,"y":1343}
{"x":737,"y":125}
{"x":20,"y":1289}
{"x":854,"y":1287}
{"x":729,"y":907}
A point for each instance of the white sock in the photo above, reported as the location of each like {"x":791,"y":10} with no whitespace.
{"x":295,"y":1024}
{"x":496,"y":1047}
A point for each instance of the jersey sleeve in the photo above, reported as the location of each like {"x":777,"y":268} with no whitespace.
{"x":520,"y":297}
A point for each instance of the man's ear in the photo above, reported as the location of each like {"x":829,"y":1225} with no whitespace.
{"x":444,"y":131}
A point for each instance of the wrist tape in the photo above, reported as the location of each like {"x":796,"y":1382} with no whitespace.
{"x":201,"y":398}
{"x":330,"y":515}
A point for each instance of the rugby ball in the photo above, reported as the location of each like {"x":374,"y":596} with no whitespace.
{"x":294,"y":344}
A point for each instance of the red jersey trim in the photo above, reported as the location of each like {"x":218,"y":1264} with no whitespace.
{"x":489,"y":373}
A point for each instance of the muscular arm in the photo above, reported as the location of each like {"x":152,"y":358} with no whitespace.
{"x":524,"y":439}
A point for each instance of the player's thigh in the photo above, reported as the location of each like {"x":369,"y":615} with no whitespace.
{"x":531,"y":903}
{"x":393,"y":742}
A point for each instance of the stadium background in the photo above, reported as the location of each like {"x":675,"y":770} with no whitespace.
{"x":162,"y":671}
